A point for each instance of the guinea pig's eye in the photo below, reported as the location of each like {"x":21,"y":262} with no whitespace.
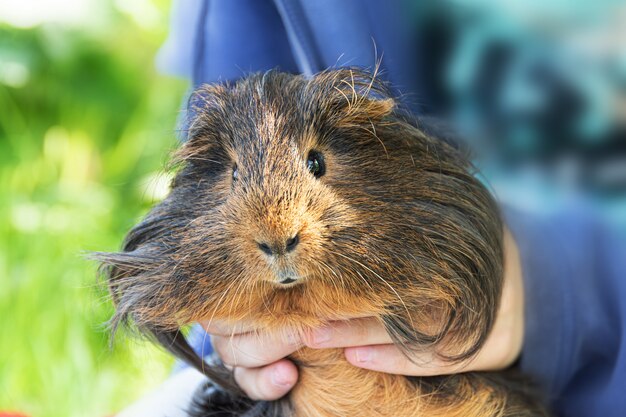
{"x":315,"y":164}
{"x":235,"y":173}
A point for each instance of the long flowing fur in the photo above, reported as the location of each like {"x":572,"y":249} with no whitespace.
{"x":397,"y":228}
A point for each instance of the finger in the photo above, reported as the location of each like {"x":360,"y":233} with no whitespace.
{"x":223,"y":328}
{"x":355,"y":332}
{"x":390,"y":359}
{"x":501,"y":348}
{"x":253,"y":349}
{"x":494,"y":355}
{"x":268,"y":383}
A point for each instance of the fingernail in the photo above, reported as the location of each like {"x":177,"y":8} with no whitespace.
{"x":363,"y":354}
{"x":321,"y":335}
{"x":280,"y":379}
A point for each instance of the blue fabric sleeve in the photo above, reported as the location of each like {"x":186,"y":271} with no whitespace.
{"x":575,"y":311}
{"x":200,"y":341}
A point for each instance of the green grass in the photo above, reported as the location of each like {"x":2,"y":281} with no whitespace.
{"x":82,"y":142}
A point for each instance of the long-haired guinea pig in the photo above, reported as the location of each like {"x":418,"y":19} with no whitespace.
{"x":303,"y":200}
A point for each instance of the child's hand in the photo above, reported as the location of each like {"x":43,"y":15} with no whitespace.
{"x":258,"y":360}
{"x":369,"y":346}
{"x":263,"y":372}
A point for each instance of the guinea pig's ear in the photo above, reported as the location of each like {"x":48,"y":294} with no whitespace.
{"x":204,"y":105}
{"x":201,"y":126}
{"x":356,"y":97}
{"x":365,"y":110}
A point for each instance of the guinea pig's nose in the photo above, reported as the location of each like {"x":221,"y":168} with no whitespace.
{"x":285,"y":277}
{"x":279,"y":248}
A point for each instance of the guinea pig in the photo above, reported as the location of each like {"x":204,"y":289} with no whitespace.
{"x":303,"y":200}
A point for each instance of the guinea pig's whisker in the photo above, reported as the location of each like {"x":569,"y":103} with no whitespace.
{"x":251,"y":292}
{"x":332,"y":271}
{"x":385,"y":282}
{"x":219,"y":302}
{"x":267,"y":307}
{"x":239,"y":293}
{"x":332,"y":280}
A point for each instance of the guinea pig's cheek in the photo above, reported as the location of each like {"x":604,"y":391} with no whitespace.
{"x":312,"y":242}
{"x":334,"y":215}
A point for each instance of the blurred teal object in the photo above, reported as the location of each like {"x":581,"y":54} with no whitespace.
{"x":539,"y":90}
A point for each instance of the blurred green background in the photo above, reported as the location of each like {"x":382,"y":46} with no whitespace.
{"x":85,"y":127}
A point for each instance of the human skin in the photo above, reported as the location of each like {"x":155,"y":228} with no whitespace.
{"x":262,"y":370}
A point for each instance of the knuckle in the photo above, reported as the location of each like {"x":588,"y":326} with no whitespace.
{"x":255,"y":388}
{"x":262,"y":390}
{"x":218,"y":344}
{"x":362,"y":332}
{"x":425,"y":364}
{"x":216,"y":328}
{"x":224,"y":349}
{"x":398,"y":362}
{"x":242,"y":378}
{"x":312,"y":341}
{"x":308,"y":341}
{"x":506,"y":358}
{"x":502,"y":356}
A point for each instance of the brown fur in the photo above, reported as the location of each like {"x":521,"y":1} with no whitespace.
{"x":397,"y":228}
